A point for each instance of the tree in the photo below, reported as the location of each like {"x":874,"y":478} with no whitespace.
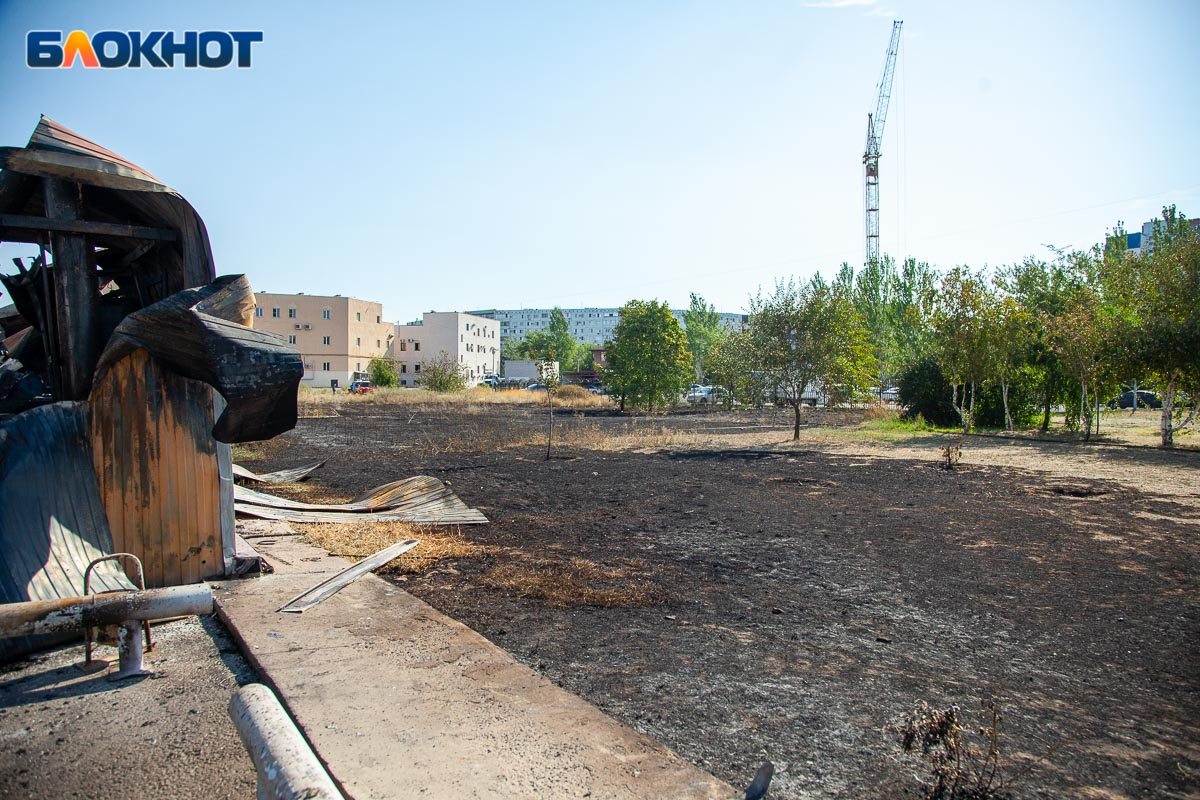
{"x":963,"y":322}
{"x":443,"y":374}
{"x":554,"y":343}
{"x":702,"y":325}
{"x":550,"y":377}
{"x":1156,"y":296}
{"x":808,"y":335}
{"x":382,"y":372}
{"x":648,"y":360}
{"x":730,"y":365}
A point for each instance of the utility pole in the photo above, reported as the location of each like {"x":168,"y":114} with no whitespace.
{"x":875,"y":123}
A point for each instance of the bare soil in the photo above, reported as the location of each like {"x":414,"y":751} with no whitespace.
{"x":754,"y":598}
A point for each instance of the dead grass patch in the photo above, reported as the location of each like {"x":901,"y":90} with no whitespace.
{"x":357,"y":540}
{"x":576,"y":582}
{"x":324,"y":403}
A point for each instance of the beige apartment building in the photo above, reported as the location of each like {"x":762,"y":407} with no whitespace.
{"x":470,"y":340}
{"x":338,"y":336}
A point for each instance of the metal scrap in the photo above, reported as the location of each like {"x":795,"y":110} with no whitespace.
{"x":293,"y":475}
{"x":331,"y":586}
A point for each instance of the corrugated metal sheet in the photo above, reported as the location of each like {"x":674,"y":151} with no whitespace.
{"x":422,"y":500}
{"x":52,"y":522}
{"x":157,"y":468}
{"x":293,"y":475}
{"x":49,"y":135}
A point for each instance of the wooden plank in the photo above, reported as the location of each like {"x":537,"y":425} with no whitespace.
{"x":331,"y":586}
{"x":22,"y":228}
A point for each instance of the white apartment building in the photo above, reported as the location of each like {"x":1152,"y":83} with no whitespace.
{"x":337,"y":336}
{"x":592,"y":326}
{"x":469,"y":339}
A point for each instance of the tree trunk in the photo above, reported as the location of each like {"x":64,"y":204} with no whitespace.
{"x":796,"y":428}
{"x":550,"y":432}
{"x":1008,"y":423}
{"x":1168,"y":411}
{"x":1046,"y":413}
{"x":969,"y":417}
{"x":1084,"y":415}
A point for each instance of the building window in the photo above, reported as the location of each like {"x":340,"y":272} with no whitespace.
{"x":358,"y":341}
{"x":324,"y":340}
{"x":258,"y":312}
{"x":274,"y":312}
{"x":291,"y":313}
{"x":416,"y":367}
{"x":378,"y":343}
{"x":416,"y":345}
{"x":358,"y":316}
{"x":325,"y":366}
{"x":403,"y":346}
{"x":403,"y":368}
{"x":378,"y":319}
{"x":357,"y":366}
{"x":325,"y":314}
{"x":291,"y":340}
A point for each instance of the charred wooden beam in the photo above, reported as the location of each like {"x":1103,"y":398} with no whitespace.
{"x":75,"y":292}
{"x":24,"y":228}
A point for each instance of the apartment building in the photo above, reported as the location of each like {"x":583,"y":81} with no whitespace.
{"x":337,"y":336}
{"x":471,"y":340}
{"x":592,"y":326}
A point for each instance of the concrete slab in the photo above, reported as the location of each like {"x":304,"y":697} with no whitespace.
{"x":401,"y":701}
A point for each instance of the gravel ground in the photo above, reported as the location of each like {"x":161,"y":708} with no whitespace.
{"x":65,"y":733}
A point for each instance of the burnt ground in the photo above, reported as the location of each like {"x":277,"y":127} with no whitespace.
{"x":811,"y":595}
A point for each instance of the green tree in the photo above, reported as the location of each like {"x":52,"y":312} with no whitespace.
{"x":443,"y":374}
{"x":963,"y":326}
{"x":808,"y":335}
{"x":553,"y":343}
{"x":382,"y":372}
{"x":648,"y":360}
{"x":730,"y":365}
{"x":1156,"y":297}
{"x":702,"y":325}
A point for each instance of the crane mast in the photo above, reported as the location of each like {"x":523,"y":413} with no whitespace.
{"x":875,"y":123}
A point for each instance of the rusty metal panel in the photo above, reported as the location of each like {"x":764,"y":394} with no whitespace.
{"x":157,"y":469}
{"x":52,"y":521}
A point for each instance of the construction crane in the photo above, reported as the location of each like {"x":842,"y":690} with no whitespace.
{"x":875,"y":123}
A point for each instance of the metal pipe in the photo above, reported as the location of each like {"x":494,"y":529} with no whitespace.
{"x":287,"y":767}
{"x":75,"y":613}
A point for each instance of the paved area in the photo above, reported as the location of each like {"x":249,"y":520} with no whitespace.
{"x":401,"y":701}
{"x":66,"y":733}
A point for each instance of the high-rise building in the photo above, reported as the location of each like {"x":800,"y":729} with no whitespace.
{"x":592,"y":326}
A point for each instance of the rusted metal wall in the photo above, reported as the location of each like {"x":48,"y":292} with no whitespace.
{"x":156,"y":462}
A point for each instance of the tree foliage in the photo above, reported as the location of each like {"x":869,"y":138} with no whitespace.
{"x":808,"y":335}
{"x":443,"y":374}
{"x":553,"y":343}
{"x":382,"y":372}
{"x":648,"y":361}
{"x":702,"y":326}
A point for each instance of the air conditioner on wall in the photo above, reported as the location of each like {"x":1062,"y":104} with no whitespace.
{"x":307,"y":326}
{"x":297,"y":326}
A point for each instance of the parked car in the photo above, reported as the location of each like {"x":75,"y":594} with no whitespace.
{"x":537,"y":387}
{"x":706,"y":395}
{"x":1145,"y":399}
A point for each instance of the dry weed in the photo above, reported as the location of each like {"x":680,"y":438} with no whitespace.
{"x":576,"y":582}
{"x":357,"y":540}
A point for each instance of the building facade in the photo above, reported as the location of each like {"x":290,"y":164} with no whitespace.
{"x":1143,"y":241}
{"x":337,"y":336}
{"x":470,"y":339}
{"x":592,"y":326}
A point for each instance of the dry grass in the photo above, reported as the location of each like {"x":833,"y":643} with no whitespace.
{"x":576,"y":582}
{"x":323,"y":403}
{"x":357,"y":540}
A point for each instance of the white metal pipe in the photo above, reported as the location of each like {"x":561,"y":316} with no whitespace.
{"x":287,"y":768}
{"x":76,"y":613}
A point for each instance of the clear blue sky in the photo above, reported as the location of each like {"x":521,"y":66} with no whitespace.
{"x":455,"y":155}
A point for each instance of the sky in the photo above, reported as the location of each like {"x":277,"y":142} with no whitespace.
{"x":469,"y":155}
